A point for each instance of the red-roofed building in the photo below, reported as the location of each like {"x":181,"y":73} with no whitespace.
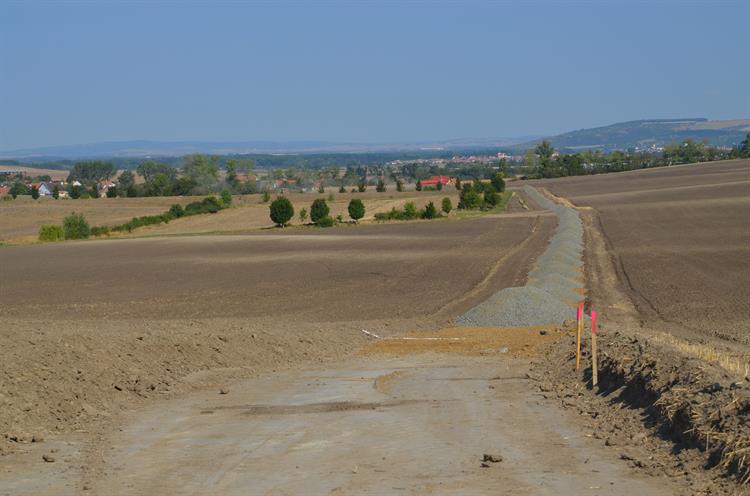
{"x":434,"y":180}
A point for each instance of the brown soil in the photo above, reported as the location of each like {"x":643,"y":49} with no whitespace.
{"x":681,"y":243}
{"x":92,"y":328}
{"x":481,"y":341}
{"x":672,"y":382}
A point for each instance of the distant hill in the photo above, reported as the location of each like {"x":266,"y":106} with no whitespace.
{"x":649,"y":133}
{"x":145,"y":148}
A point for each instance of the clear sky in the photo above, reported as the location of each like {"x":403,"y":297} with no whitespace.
{"x":82,"y":72}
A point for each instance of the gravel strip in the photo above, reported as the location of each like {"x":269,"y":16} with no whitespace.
{"x":550,"y":294}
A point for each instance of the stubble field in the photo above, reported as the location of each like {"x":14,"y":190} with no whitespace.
{"x":20,"y":219}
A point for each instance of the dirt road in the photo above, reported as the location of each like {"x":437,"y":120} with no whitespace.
{"x":380,"y":425}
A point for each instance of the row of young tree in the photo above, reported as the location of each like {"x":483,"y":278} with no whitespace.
{"x":543,"y":162}
{"x":282,"y":212}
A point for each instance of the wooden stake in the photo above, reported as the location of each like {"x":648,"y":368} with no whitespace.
{"x":594,"y":371}
{"x":579,"y":331}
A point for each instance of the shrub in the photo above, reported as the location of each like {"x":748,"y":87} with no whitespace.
{"x":34,"y":192}
{"x":362,"y":186}
{"x":399,"y":185}
{"x":326,"y":221}
{"x":266,"y":196}
{"x":342,"y":189}
{"x":319,"y":210}
{"x":76,"y":227}
{"x":439,"y":186}
{"x":282,"y":211}
{"x":458,"y":183}
{"x":111,"y":192}
{"x":226,"y":197}
{"x":50,"y":232}
{"x":321,"y":188}
{"x":176,"y":211}
{"x":100,"y":231}
{"x":498,"y":182}
{"x":75,"y":192}
{"x":491,"y":198}
{"x":447,"y":205}
{"x":330,"y":197}
{"x":410,"y":211}
{"x":429,"y":212}
{"x":419,"y":185}
{"x":469,"y":199}
{"x":303,"y":215}
{"x":380,"y":188}
{"x":56,"y":192}
{"x":356,"y":209}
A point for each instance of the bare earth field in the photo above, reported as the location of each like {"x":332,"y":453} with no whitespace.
{"x":20,"y":219}
{"x":54,"y":174}
{"x":680,"y":237}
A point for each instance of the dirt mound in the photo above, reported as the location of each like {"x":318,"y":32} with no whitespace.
{"x":694,"y":417}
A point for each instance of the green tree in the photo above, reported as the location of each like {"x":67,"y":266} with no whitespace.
{"x":410,"y":211}
{"x":469,"y":199}
{"x":321,"y":188}
{"x":18,"y":188}
{"x":91,"y":171}
{"x":361,"y":186}
{"x":112,"y":192}
{"x":266,"y":196}
{"x":342,"y":189}
{"x":399,"y":185}
{"x":430,"y":212}
{"x":148,"y":169}
{"x":439,"y":186}
{"x":447,"y":205}
{"x":202,"y":169}
{"x":125,"y":181}
{"x":458,"y":183}
{"x":75,"y":192}
{"x":34,"y":192}
{"x":318,"y":210}
{"x":380,"y":188}
{"x":418,"y":187}
{"x":281,"y":210}
{"x":56,"y":192}
{"x":491,"y":198}
{"x":498,"y":182}
{"x":231,"y":173}
{"x":356,"y":209}
{"x":745,"y":147}
{"x":76,"y":227}
{"x":303,"y":215}
{"x":94,"y":191}
{"x":226,"y":197}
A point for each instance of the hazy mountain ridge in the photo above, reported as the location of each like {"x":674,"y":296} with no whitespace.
{"x":647,"y":133}
{"x":146,"y":148}
{"x":640,"y":134}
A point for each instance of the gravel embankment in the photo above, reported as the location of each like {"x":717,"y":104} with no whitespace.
{"x":553,"y":287}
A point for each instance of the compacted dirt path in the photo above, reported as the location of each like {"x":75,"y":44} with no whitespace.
{"x":378,"y":426}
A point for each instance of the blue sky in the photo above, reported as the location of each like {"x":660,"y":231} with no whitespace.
{"x":82,"y":72}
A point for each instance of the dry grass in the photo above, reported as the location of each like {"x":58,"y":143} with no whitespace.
{"x":20,"y":219}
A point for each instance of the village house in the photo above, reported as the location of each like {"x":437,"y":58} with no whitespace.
{"x":434,"y":180}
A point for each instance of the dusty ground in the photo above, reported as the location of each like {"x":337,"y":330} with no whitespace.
{"x":681,"y":241}
{"x":20,"y":219}
{"x":118,"y":321}
{"x":680,"y":389}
